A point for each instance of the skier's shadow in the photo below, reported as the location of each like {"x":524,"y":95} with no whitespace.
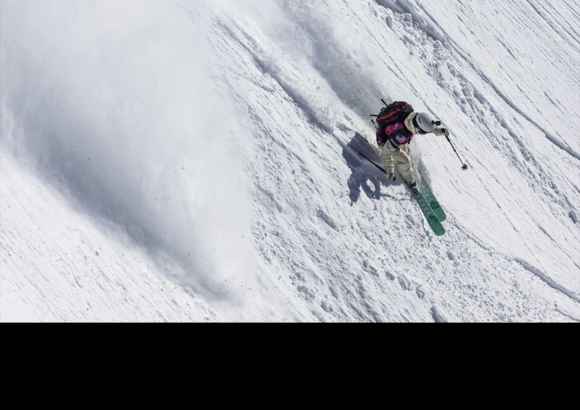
{"x":364,"y":175}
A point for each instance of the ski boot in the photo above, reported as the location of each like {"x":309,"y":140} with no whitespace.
{"x":413,"y":187}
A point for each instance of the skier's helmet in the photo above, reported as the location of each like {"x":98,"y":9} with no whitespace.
{"x":424,"y":123}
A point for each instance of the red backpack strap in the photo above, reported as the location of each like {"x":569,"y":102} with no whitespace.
{"x":393,"y":113}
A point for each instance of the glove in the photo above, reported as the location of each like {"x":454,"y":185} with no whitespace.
{"x":445,"y":131}
{"x":391,"y":176}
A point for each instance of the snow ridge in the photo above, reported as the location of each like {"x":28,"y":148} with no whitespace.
{"x":548,"y":280}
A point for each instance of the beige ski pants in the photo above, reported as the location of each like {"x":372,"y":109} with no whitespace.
{"x":399,"y":158}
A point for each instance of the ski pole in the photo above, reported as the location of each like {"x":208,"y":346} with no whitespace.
{"x":368,"y":159}
{"x":373,"y":115}
{"x":464,"y":167}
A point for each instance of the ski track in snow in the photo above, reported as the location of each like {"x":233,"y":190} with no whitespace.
{"x":571,"y":37}
{"x":531,"y":269}
{"x":548,"y":280}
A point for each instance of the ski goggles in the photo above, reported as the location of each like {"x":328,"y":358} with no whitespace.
{"x":419,"y":130}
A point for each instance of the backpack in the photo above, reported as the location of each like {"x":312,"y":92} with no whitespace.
{"x":393,"y":113}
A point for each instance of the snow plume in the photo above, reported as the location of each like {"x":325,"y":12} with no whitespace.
{"x":335,"y":71}
{"x":113,"y":100}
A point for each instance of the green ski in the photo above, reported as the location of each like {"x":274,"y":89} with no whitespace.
{"x":429,"y":206}
{"x":432,"y":201}
{"x":429,"y":214}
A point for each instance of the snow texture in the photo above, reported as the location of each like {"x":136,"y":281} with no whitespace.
{"x":192,"y":160}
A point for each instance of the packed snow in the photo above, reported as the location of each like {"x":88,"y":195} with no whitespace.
{"x":192,"y":160}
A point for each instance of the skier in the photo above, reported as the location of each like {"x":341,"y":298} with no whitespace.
{"x":398,"y":123}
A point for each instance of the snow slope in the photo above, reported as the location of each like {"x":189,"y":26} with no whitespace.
{"x":190,"y":160}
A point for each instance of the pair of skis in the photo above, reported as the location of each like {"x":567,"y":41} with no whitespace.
{"x":427,"y":202}
{"x":431,"y":209}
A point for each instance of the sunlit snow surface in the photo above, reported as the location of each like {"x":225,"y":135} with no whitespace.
{"x":190,"y":160}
